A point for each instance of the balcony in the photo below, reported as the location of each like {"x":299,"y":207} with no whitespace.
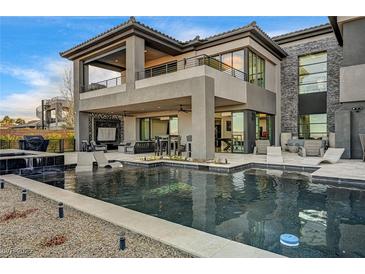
{"x":109,"y":83}
{"x":190,"y":63}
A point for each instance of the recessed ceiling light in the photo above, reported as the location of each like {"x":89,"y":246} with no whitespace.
{"x":116,"y":60}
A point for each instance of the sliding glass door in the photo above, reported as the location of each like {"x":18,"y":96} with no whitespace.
{"x":158,"y":126}
{"x":238,"y":133}
{"x":145,"y":129}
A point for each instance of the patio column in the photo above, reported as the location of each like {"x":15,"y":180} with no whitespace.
{"x":81,"y":119}
{"x":134,"y":60}
{"x":203,"y":119}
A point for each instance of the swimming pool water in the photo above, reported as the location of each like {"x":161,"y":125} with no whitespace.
{"x":253,"y":207}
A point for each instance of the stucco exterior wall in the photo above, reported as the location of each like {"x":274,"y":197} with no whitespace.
{"x":352,"y":83}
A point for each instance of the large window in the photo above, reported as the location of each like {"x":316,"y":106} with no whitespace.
{"x":264,"y":127}
{"x":256,"y":69}
{"x":174,"y":126}
{"x":313,"y":73}
{"x":145,"y":129}
{"x":313,"y":126}
{"x":235,"y":59}
{"x":158,"y":126}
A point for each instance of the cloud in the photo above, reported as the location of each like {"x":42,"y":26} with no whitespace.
{"x":183,"y":29}
{"x":42,"y":84}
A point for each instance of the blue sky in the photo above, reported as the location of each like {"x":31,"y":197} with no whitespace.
{"x":31,"y":68}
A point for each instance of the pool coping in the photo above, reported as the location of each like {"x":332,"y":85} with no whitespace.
{"x":357,"y":182}
{"x":324,"y":179}
{"x":192,"y":241}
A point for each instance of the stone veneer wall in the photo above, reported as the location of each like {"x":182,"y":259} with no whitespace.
{"x":106,"y":117}
{"x":290,"y":79}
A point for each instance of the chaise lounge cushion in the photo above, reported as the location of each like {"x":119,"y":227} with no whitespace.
{"x":312,"y":148}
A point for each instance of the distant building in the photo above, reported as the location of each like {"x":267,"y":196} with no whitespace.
{"x":52,"y":113}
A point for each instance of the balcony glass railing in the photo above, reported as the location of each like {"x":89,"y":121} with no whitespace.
{"x":189,"y":63}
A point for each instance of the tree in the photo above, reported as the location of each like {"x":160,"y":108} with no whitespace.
{"x":20,"y":121}
{"x":7,"y":121}
{"x":67,"y":92}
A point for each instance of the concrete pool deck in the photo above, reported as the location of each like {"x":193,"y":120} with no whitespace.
{"x":194,"y":242}
{"x":344,"y":170}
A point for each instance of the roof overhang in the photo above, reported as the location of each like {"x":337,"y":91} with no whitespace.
{"x":165,"y":43}
{"x":119,"y":33}
{"x":336,"y":29}
{"x":303,"y":34}
{"x":250,"y":31}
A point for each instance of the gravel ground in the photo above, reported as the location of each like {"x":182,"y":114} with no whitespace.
{"x":30,"y":234}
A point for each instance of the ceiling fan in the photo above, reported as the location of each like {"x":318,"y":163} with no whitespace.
{"x":126,"y":114}
{"x":182,"y":109}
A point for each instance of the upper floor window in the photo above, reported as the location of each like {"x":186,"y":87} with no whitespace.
{"x":235,"y":59}
{"x":256,"y":69}
{"x":313,"y":73}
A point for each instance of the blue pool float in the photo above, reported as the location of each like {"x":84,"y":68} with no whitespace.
{"x":289,"y":240}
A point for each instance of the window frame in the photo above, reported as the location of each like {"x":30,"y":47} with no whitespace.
{"x":257,"y":62}
{"x":307,"y":135}
{"x":314,"y":73}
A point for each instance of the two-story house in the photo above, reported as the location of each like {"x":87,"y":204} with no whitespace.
{"x":223,"y":91}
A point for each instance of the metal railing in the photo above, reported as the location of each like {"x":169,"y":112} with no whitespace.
{"x":113,"y":82}
{"x":54,"y":145}
{"x":189,"y":63}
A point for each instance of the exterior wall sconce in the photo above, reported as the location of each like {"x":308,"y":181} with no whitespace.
{"x":357,"y":109}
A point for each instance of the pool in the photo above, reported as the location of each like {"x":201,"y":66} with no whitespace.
{"x":253,"y":207}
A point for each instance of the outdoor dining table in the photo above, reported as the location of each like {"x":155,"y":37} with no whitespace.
{"x":170,"y":142}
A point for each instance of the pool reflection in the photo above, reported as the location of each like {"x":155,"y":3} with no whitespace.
{"x":253,"y":207}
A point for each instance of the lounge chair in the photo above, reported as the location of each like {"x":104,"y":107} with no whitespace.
{"x":102,"y":161}
{"x":332,"y":156}
{"x":274,"y":156}
{"x":85,"y":162}
{"x":284,"y":138}
{"x":85,"y":146}
{"x":261,"y":146}
{"x":95,"y":147}
{"x":312,"y":148}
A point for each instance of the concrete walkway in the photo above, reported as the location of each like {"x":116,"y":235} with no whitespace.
{"x":192,"y":241}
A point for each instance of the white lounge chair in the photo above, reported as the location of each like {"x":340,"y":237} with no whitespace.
{"x":85,"y":162}
{"x":261,"y":147}
{"x":103,"y":161}
{"x":274,"y":156}
{"x":332,"y":156}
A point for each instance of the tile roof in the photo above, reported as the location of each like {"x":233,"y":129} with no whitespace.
{"x":322,"y":26}
{"x":132,"y":21}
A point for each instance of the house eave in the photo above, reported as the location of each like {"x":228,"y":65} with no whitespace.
{"x":303,"y":34}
